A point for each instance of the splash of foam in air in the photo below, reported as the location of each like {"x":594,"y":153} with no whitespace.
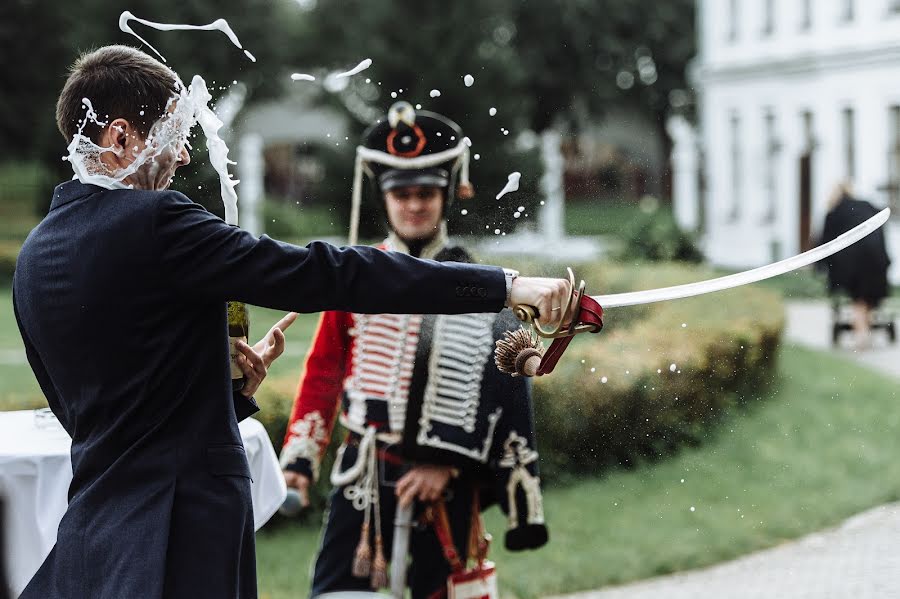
{"x":362,"y":66}
{"x":217,"y":25}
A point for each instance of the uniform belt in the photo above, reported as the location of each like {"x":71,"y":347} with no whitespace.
{"x":386,"y":437}
{"x":382,"y":453}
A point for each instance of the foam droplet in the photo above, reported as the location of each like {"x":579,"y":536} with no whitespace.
{"x":492,"y":111}
{"x":468,"y":80}
{"x":512,"y":184}
{"x":434,"y":93}
{"x":362,"y":66}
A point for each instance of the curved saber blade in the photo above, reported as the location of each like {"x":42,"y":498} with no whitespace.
{"x":650,"y":296}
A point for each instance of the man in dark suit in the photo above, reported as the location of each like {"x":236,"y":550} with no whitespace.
{"x":120,"y":298}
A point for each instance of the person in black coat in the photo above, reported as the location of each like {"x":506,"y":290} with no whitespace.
{"x":120,"y":296}
{"x":859,"y":271}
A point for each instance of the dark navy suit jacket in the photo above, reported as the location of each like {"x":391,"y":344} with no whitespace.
{"x":120,"y":298}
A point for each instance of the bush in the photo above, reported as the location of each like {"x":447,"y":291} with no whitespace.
{"x":9,"y":251}
{"x":654,"y":235}
{"x":25,"y":187}
{"x":288,"y":222}
{"x":723,"y":357}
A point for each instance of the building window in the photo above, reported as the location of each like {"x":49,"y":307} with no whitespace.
{"x":773,"y":148}
{"x":736,"y":174}
{"x":734,"y":18}
{"x":849,"y":144}
{"x":806,"y":15}
{"x":847,"y":10}
{"x":768,"y":22}
{"x":893,"y":185}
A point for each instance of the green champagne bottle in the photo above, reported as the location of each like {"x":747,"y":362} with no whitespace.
{"x":238,"y":329}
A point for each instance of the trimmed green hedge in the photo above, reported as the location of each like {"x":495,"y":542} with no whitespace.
{"x":668,"y":375}
{"x":724,"y":354}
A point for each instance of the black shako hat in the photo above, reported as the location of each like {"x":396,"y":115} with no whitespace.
{"x":410,"y":148}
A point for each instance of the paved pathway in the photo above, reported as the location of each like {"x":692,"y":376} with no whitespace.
{"x":860,"y":559}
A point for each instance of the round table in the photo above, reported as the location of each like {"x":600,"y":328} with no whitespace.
{"x":36,"y":469}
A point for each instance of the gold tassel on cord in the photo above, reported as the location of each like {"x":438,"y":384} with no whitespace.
{"x":519,"y":353}
{"x":379,"y":566}
{"x":362,"y":559}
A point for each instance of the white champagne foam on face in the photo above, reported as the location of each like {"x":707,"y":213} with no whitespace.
{"x":362,"y":66}
{"x":168,"y":134}
{"x":512,"y":184}
{"x":217,"y":25}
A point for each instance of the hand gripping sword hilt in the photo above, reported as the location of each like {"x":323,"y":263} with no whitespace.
{"x":521,"y":352}
{"x":529,"y":315}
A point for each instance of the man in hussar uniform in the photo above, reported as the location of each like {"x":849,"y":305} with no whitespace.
{"x":429,"y":416}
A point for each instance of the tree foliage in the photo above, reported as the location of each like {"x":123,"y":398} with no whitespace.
{"x":39,"y":39}
{"x":538,"y":62}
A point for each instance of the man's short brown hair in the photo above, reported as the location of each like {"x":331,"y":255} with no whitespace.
{"x":120,"y":82}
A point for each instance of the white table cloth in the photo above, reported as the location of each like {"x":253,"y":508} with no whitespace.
{"x":35,"y":472}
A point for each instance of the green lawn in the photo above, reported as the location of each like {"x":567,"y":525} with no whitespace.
{"x":823,"y":448}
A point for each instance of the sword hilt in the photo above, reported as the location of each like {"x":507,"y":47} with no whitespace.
{"x":521,"y":353}
{"x":529,"y":315}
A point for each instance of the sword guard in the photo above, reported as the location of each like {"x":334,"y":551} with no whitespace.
{"x":521,"y":353}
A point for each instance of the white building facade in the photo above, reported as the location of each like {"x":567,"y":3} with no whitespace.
{"x":794,"y":96}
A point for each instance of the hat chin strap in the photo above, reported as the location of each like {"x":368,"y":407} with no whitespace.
{"x":364,"y":155}
{"x":356,"y":198}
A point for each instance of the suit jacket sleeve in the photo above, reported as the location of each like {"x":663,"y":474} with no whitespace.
{"x":318,"y":396}
{"x":201,"y":256}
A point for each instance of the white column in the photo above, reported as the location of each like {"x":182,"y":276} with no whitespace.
{"x":830,"y":163}
{"x":552,"y":213}
{"x":871,"y":143}
{"x":685,"y":192}
{"x":789,"y":130}
{"x":250,"y":172}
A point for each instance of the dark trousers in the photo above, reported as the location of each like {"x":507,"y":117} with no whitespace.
{"x":428,"y":569}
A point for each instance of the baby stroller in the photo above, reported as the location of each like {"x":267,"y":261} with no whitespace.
{"x":842,"y":319}
{"x":859,"y":271}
